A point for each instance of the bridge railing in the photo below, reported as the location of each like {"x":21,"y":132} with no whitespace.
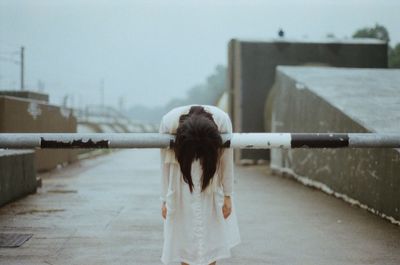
{"x":234,"y":140}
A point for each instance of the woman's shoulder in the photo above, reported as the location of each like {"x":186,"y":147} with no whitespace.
{"x":178,"y":111}
{"x":171,"y":118}
{"x":215,"y":111}
{"x":220,"y":117}
{"x":175,"y":113}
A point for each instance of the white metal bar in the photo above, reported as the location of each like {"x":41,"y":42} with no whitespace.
{"x":260,"y":140}
{"x":235,"y":140}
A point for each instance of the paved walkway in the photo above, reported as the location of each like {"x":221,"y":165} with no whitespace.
{"x":106,"y":211}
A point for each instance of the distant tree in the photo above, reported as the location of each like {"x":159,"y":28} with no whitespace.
{"x":394,"y":56}
{"x":205,"y":93}
{"x":380,"y":32}
{"x":377,"y":32}
{"x":330,"y":36}
{"x":281,"y":33}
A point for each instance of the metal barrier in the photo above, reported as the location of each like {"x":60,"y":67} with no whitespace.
{"x":234,"y":140}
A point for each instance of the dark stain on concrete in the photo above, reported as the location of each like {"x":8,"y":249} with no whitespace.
{"x":62,"y":191}
{"x":33,"y":211}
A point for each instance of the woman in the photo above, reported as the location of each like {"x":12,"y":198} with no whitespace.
{"x":200,"y":225}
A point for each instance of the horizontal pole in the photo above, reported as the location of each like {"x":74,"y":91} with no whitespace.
{"x":234,"y":140}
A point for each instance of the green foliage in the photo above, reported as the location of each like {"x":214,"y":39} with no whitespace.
{"x":205,"y":93}
{"x":380,"y":32}
{"x":394,"y":56}
{"x":377,"y":32}
{"x":330,"y":36}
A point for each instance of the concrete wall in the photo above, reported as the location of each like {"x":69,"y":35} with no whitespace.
{"x":17,"y":174}
{"x":251,"y":67}
{"x":340,"y":100}
{"x":25,"y":94}
{"x":23,"y":115}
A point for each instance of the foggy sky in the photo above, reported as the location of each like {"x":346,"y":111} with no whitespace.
{"x":151,"y":51}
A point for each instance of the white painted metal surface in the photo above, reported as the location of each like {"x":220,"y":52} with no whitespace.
{"x":260,"y":140}
{"x":235,"y":140}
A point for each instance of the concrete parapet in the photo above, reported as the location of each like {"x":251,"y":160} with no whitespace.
{"x":251,"y":67}
{"x":25,"y":94}
{"x":324,"y":99}
{"x":24,"y":115}
{"x":17,"y":174}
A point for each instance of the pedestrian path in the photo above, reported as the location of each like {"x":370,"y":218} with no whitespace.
{"x":107,"y":211}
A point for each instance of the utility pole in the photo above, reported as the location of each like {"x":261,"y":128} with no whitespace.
{"x":22,"y":68}
{"x":102,"y":92}
{"x":102,"y":96}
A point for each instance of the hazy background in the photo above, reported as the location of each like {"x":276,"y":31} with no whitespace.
{"x":149,"y":52}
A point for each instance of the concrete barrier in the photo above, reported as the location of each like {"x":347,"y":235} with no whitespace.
{"x":341,"y":100}
{"x":27,"y":115}
{"x":26,"y":94}
{"x":251,"y":68}
{"x":17,"y":174}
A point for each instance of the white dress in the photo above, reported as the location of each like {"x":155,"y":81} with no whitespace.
{"x":195,"y":231}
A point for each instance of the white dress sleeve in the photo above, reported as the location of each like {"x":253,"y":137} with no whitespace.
{"x":164,"y":166}
{"x":226,"y":161}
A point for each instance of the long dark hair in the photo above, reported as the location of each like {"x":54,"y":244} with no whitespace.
{"x":197,"y":137}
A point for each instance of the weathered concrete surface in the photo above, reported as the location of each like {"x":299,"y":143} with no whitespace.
{"x":106,"y":211}
{"x":26,"y":94}
{"x":339,"y":100}
{"x":26,"y":115}
{"x":370,"y":97}
{"x":252,"y":64}
{"x":17,"y":174}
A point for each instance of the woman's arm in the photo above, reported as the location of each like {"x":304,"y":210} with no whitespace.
{"x":227,"y":180}
{"x":164,"y":173}
{"x":164,"y":185}
{"x":164,"y":189}
{"x":226,"y":160}
{"x":227,"y":171}
{"x":227,"y":174}
{"x":164,"y":176}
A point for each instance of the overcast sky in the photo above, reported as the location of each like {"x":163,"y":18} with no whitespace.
{"x":151,"y":51}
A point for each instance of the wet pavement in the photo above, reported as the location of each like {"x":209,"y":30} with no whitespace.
{"x":106,"y":211}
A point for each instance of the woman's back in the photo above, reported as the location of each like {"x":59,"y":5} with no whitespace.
{"x":195,"y":230}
